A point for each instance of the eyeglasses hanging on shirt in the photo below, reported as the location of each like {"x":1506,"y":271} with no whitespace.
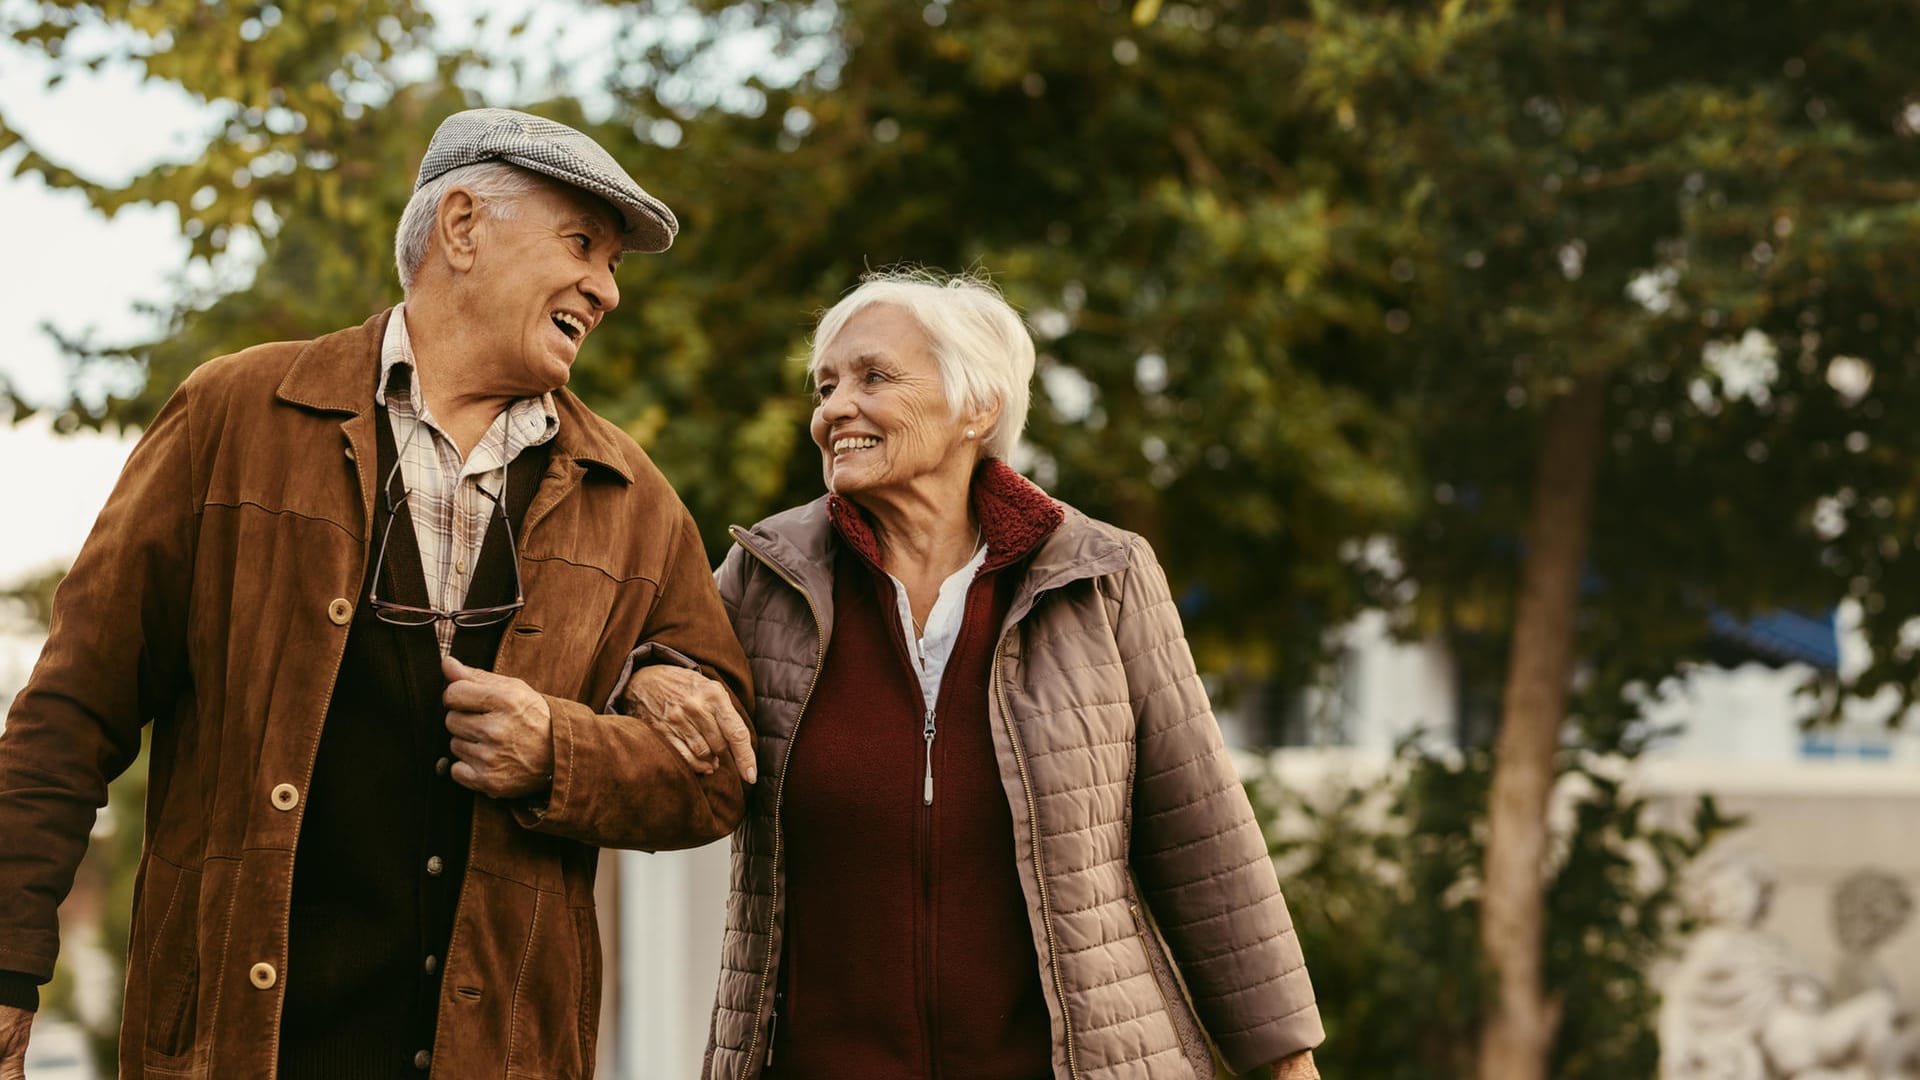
{"x":398,"y":614}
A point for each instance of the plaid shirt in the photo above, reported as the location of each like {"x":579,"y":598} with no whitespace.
{"x":450,"y":515}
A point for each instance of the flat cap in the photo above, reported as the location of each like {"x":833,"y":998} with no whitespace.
{"x":556,"y":150}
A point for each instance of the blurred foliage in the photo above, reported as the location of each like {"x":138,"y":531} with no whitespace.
{"x":1303,"y":272}
{"x":1384,"y":880}
{"x":32,"y":595}
{"x":1719,"y":220}
{"x":1136,"y":189}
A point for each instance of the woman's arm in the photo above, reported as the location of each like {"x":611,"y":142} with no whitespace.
{"x":1199,"y":852}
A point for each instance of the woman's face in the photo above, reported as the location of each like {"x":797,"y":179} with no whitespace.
{"x":881,"y":418}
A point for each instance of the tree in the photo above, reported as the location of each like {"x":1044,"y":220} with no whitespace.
{"x":1392,"y":868}
{"x":1195,"y":291}
{"x":1641,"y":283}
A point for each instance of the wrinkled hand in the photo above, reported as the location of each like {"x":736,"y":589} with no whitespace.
{"x":15,"y":1026}
{"x":693,"y":713}
{"x":502,"y":732}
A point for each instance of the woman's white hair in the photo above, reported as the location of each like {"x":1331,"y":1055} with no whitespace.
{"x":983,"y":349}
{"x":494,"y":183}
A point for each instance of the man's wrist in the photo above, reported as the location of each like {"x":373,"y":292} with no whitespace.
{"x":19,"y":990}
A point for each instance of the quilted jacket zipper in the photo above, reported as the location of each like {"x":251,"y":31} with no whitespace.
{"x":1039,"y":862}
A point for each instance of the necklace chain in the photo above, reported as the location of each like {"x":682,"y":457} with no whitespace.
{"x":918,"y":631}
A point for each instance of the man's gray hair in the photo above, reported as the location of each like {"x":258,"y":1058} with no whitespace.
{"x":983,"y":349}
{"x":494,"y":183}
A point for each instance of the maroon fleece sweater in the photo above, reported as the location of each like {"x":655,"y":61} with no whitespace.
{"x":908,"y":947}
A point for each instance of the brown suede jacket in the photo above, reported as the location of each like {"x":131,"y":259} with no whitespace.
{"x":213,"y":600}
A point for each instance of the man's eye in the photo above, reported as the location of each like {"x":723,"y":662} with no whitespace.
{"x":875,"y":376}
{"x":585,"y":241}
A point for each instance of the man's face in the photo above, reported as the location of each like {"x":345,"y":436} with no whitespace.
{"x":541,"y":281}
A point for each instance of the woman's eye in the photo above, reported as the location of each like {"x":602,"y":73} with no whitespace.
{"x":875,"y":376}
{"x":822,"y":392}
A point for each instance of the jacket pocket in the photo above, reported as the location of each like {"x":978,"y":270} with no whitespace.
{"x":170,"y":956}
{"x":1186,"y":1026}
{"x":586,"y":932}
{"x":548,"y":1025}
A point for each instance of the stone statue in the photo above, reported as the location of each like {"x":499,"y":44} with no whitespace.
{"x":1741,"y":1006}
{"x":1870,"y":908}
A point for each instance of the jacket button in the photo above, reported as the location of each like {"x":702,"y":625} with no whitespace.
{"x":422,"y":1059}
{"x":285,"y":797}
{"x":340,"y":611}
{"x":435,"y":865}
{"x":262,"y":975}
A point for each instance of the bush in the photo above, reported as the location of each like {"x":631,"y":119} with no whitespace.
{"x":1383,"y":879}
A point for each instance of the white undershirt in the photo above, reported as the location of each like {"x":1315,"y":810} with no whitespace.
{"x":931,"y":648}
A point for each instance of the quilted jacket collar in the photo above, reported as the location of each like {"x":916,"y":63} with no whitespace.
{"x":1065,"y":545}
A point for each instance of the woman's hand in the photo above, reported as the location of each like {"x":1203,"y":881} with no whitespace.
{"x":694,"y":713}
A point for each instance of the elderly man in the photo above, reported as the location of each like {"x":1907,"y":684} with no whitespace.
{"x":375,"y":592}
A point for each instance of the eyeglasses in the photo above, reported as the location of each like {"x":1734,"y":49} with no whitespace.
{"x":411,"y":615}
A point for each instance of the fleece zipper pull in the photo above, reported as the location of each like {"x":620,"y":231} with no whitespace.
{"x":926,"y":788}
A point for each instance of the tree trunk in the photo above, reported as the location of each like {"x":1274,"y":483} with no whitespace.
{"x":1519,"y":1033}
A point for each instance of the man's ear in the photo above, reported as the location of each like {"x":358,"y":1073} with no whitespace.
{"x":456,"y":228}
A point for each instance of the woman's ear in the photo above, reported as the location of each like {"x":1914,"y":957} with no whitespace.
{"x":980,"y":422}
{"x":457,"y":224}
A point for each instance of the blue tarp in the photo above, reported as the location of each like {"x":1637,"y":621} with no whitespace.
{"x":1781,"y":637}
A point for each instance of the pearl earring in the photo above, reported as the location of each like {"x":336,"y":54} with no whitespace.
{"x":969,"y":433}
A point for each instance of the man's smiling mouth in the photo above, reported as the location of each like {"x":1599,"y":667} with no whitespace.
{"x":570,"y":326}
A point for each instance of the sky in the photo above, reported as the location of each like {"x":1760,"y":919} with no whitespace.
{"x":70,"y":266}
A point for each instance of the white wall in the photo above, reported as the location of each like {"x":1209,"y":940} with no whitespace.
{"x":672,"y":910}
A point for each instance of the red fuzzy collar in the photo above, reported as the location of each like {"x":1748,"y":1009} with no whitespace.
{"x":1015,"y":517}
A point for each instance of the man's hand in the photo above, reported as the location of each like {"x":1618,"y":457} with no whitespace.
{"x":694,"y":713}
{"x":15,"y":1026}
{"x":502,"y":733}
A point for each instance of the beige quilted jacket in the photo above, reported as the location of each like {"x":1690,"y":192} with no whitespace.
{"x":1127,"y":813}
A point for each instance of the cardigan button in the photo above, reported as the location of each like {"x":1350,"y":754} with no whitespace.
{"x":435,"y":865}
{"x":422,"y":1059}
{"x":340,"y":611}
{"x":262,"y":975}
{"x":285,"y":797}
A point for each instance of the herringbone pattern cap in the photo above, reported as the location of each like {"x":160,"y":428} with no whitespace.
{"x":556,"y":150}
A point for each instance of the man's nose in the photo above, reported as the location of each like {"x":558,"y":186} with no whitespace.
{"x":601,"y":290}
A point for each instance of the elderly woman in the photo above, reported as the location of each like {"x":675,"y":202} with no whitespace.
{"x":997,"y":818}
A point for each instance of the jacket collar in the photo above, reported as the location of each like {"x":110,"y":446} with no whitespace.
{"x":1015,"y":517}
{"x":800,"y":542}
{"x":336,"y":374}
